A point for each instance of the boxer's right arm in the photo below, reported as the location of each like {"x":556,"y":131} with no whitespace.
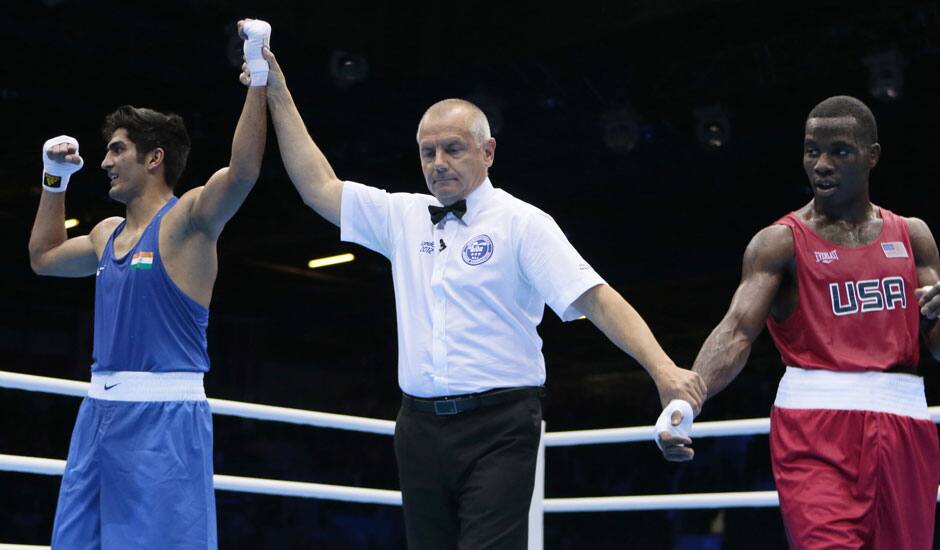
{"x":306,"y":165}
{"x":51,"y":252}
{"x":727,"y":348}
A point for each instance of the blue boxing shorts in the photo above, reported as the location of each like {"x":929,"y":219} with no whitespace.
{"x":139,"y":469}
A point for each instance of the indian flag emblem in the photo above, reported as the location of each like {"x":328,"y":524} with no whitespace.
{"x":142,"y":260}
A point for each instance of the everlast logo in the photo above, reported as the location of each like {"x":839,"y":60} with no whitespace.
{"x":52,"y":181}
{"x":827,"y":257}
{"x":868,"y":295}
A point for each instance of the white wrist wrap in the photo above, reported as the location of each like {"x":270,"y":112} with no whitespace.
{"x":56,"y":174}
{"x":664,"y":422}
{"x":257,"y":35}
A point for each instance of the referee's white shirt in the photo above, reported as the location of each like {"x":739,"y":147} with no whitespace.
{"x":469,"y":292}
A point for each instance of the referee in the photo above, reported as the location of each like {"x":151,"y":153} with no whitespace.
{"x":473,"y":268}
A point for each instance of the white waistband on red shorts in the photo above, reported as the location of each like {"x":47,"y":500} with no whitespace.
{"x":146,"y":386}
{"x":887,"y":392}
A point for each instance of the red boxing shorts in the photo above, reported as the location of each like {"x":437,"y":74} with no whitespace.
{"x":856,"y":460}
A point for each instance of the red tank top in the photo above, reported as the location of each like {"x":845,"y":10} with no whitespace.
{"x":857,"y":310}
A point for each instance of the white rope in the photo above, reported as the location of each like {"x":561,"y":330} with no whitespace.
{"x":752,"y":426}
{"x":753,"y":499}
{"x":749,"y":499}
{"x":48,"y":466}
{"x":306,"y":490}
{"x":380,"y":496}
{"x":689,"y":501}
{"x":299,"y":416}
{"x":32,"y":465}
{"x":44,"y":384}
{"x":748,"y":426}
{"x":224,"y":407}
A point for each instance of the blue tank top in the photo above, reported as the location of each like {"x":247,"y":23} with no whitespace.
{"x":143,"y":321}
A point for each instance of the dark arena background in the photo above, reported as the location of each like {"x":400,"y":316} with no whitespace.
{"x":660,"y":135}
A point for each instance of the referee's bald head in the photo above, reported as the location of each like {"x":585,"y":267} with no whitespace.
{"x":478,"y":126}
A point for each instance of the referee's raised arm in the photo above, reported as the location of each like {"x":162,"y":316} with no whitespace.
{"x":306,"y":165}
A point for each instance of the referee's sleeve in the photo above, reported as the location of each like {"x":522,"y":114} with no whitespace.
{"x":551,"y":264}
{"x":365,"y":217}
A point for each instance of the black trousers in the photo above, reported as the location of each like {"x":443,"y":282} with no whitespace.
{"x":467,"y":479}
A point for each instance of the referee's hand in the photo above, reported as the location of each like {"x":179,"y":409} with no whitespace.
{"x":678,"y":383}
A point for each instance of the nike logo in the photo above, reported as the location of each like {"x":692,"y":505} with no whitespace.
{"x":107,"y":387}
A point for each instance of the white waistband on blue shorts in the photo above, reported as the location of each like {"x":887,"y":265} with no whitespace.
{"x":146,"y":386}
{"x":886,"y":392}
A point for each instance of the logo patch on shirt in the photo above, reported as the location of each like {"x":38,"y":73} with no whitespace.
{"x":894,"y":250}
{"x":826,"y":257}
{"x":477,"y":250}
{"x":427,"y":247}
{"x":52,"y":181}
{"x":142,"y":260}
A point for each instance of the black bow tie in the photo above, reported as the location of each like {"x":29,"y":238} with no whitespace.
{"x":459,"y":208}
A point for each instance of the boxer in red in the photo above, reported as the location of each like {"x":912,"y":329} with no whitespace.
{"x":845,"y":288}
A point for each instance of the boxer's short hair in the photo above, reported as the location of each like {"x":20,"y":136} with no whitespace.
{"x":148,"y":130}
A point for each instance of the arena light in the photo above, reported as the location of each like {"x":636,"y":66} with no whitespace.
{"x":621,"y":130}
{"x":71,"y":222}
{"x":712,"y":127}
{"x":330,"y":260}
{"x":886,"y":75}
{"x":348,"y":68}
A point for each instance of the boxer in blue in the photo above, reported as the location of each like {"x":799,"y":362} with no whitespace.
{"x":139,"y":468}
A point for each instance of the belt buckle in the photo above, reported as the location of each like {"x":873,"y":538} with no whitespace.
{"x":445,"y":407}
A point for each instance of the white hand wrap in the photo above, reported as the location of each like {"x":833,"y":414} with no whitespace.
{"x":257,"y":35}
{"x":56,"y":173}
{"x":664,"y":422}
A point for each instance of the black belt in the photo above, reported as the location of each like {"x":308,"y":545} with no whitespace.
{"x":454,"y":404}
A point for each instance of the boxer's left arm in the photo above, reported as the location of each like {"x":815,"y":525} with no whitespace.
{"x":927,"y":261}
{"x":213,"y":204}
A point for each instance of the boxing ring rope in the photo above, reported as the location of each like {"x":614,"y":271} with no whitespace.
{"x":48,"y":466}
{"x":749,"y":499}
{"x":223,"y":407}
{"x":748,"y":426}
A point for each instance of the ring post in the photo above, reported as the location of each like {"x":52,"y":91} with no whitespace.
{"x":536,"y":508}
